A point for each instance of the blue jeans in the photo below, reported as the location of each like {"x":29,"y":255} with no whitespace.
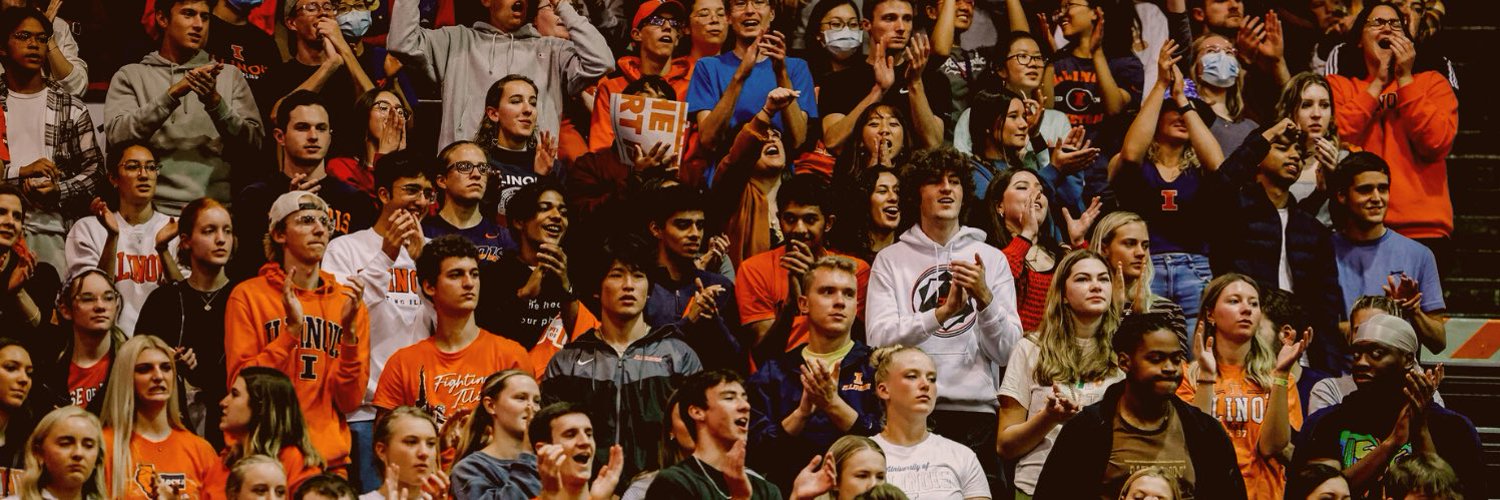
{"x":1180,"y":278}
{"x":362,"y":472}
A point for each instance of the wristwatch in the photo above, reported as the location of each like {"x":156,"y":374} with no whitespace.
{"x":1188,"y":107}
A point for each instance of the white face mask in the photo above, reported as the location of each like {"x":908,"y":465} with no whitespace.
{"x":843,"y":42}
{"x":1220,"y":69}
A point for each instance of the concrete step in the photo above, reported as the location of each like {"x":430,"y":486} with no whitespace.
{"x":1472,"y":296}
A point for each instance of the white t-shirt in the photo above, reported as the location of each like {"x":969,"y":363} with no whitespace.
{"x":1020,"y":385}
{"x":138,"y":269}
{"x":26,"y":128}
{"x":935,"y":469}
{"x":1284,"y":270}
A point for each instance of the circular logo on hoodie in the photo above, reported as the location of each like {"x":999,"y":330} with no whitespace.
{"x":930,"y":291}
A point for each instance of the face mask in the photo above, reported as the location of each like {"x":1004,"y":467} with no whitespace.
{"x":842,"y":43}
{"x":243,"y":6}
{"x":354,"y":23}
{"x":1220,"y":69}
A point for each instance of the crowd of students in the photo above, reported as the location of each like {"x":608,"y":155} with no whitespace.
{"x":928,"y":249}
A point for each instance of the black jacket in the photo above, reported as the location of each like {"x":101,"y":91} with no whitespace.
{"x":1075,"y":466}
{"x":625,"y":395}
{"x":1247,"y":239}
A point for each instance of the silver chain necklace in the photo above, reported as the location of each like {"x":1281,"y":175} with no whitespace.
{"x":710,"y":479}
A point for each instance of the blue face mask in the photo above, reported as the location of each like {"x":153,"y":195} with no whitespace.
{"x":354,"y":23}
{"x":243,"y":6}
{"x":1220,"y":69}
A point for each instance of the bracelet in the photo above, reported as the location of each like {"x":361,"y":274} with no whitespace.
{"x":1280,"y":382}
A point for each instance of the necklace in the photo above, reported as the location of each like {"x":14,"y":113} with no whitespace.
{"x":710,"y":479}
{"x":208,"y":303}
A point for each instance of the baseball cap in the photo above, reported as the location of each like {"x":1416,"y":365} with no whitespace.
{"x":293,"y":201}
{"x":649,"y":8}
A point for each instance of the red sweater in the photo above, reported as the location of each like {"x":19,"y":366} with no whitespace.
{"x":1031,"y":286}
{"x":1412,"y":127}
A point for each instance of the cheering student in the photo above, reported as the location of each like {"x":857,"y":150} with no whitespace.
{"x":806,"y":398}
{"x":565,"y":450}
{"x":498,"y":461}
{"x":321,"y":61}
{"x":870,"y":211}
{"x":190,"y":313}
{"x":717,"y":412}
{"x":298,"y":319}
{"x":894,"y":74}
{"x":148,"y":449}
{"x":1307,"y":102}
{"x":920,"y":462}
{"x":745,"y":184}
{"x":656,"y":28}
{"x":515,"y":153}
{"x":67,"y":436}
{"x":442,"y":373}
{"x":260,"y":415}
{"x":148,"y":102}
{"x":623,"y":370}
{"x":1140,"y":422}
{"x":1064,"y":365}
{"x":695,"y":299}
{"x":388,"y":121}
{"x":29,"y":286}
{"x":1122,"y":239}
{"x":133,"y":241}
{"x":724,"y":89}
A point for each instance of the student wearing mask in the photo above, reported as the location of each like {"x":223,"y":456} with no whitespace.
{"x":837,"y":40}
{"x":322,"y":61}
{"x":134,"y":240}
{"x":1140,"y":422}
{"x":465,"y":61}
{"x":195,"y":145}
{"x":895,"y":74}
{"x":54,"y":155}
{"x":1395,"y":108}
{"x":1216,"y":73}
{"x":189,"y":313}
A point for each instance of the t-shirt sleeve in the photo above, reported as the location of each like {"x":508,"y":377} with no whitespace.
{"x":703,"y":88}
{"x":1427,"y":279}
{"x":802,"y":81}
{"x":1018,"y":374}
{"x":390,"y":392}
{"x":971,"y":475}
{"x":753,"y":294}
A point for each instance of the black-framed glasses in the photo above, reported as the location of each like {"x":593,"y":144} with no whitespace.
{"x":663,"y":22}
{"x":26,"y":36}
{"x":136,"y":166}
{"x":413,"y":190}
{"x":1375,"y":24}
{"x":464,"y":167}
{"x":838,"y":24}
{"x":1058,"y":14}
{"x":1025,"y":59}
{"x":310,"y":219}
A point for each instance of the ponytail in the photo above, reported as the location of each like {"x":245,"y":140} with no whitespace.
{"x":477,"y":435}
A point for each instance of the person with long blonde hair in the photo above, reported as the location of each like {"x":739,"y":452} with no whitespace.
{"x":1123,"y":239}
{"x":1062,"y":366}
{"x":147,"y":447}
{"x":65,"y":437}
{"x":1245,"y":382}
{"x":922,"y":463}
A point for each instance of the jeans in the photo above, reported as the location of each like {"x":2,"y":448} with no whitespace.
{"x":1180,"y":278}
{"x":362,"y":472}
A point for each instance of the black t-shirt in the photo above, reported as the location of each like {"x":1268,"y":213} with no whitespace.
{"x":1348,"y":430}
{"x":509,"y":170}
{"x":843,"y":90}
{"x":694,"y":478}
{"x":350,"y":209}
{"x":252,"y":51}
{"x":522,"y":320}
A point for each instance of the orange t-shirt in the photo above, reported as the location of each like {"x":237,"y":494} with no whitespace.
{"x":760,"y":285}
{"x":1240,"y":406}
{"x":443,"y":383}
{"x":84,"y":383}
{"x":183,"y":460}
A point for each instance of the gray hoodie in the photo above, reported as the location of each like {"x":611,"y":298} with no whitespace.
{"x":467,"y":61}
{"x":191,"y":142}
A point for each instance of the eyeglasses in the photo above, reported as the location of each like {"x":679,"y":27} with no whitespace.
{"x":353,"y":5}
{"x":310,"y":219}
{"x":1220,"y":50}
{"x":663,"y":22}
{"x":706,"y":13}
{"x":313,"y":8}
{"x":838,"y":24}
{"x":464,"y":167}
{"x":106,"y":298}
{"x":742,"y":4}
{"x":135,"y":166}
{"x":413,"y":190}
{"x":1376,"y":24}
{"x":1025,"y":59}
{"x":26,"y":36}
{"x":385,"y":107}
{"x":1058,"y":14}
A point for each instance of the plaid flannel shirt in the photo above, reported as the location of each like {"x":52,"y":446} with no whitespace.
{"x":74,"y":147}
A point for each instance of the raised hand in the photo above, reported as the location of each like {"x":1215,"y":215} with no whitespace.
{"x":304,"y":182}
{"x":1074,"y":152}
{"x":824,"y":382}
{"x":403,"y":228}
{"x":971,"y":277}
{"x":1203,"y":342}
{"x":1403,"y":54}
{"x":883,"y":65}
{"x":798,"y":259}
{"x":390,"y":134}
{"x":734,"y":471}
{"x":1096,"y":38}
{"x":718,"y":248}
{"x":42,"y":167}
{"x":1283,"y":127}
{"x":187,"y":357}
{"x":609,"y":475}
{"x":550,"y":463}
{"x":104,"y":215}
{"x":435,"y":485}
{"x":292,"y":305}
{"x":1078,"y":229}
{"x":52,"y":8}
{"x":779,"y":98}
{"x":1059,"y":407}
{"x":1419,"y":389}
{"x":19,"y":275}
{"x":918,"y":52}
{"x":551,"y":259}
{"x":773,"y":45}
{"x":952,"y":304}
{"x":704,"y":304}
{"x":1030,"y":219}
{"x":1045,"y":27}
{"x":1272,"y":41}
{"x":1407,"y":293}
{"x":546,"y":153}
{"x":1291,"y":350}
{"x":817,"y":478}
{"x":657,"y":156}
{"x":353,"y":295}
{"x":166,"y":233}
{"x":1165,"y":61}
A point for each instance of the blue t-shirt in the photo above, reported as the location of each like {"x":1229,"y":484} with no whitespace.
{"x":1364,"y":267}
{"x":711,"y":77}
{"x":491,"y":239}
{"x":1174,"y":210}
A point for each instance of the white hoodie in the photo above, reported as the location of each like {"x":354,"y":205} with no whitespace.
{"x":906,"y":282}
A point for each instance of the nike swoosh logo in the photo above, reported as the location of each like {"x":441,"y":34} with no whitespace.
{"x":584,"y":362}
